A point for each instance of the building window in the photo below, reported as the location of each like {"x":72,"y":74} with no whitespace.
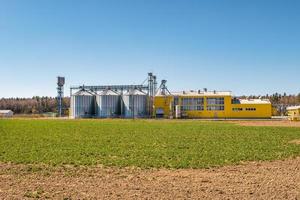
{"x":215,"y":101}
{"x":192,"y":101}
{"x":250,"y":109}
{"x":200,"y":108}
{"x":184,"y":108}
{"x":191,"y":108}
{"x":237,"y":109}
{"x":215,"y":107}
{"x":176,"y":100}
{"x":235,"y":101}
{"x":190,"y":104}
{"x":185,"y":101}
{"x":215,"y":104}
{"x":199,"y":101}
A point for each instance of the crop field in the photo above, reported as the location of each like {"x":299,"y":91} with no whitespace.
{"x":142,"y":143}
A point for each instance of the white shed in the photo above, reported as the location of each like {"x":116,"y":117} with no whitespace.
{"x":6,"y":113}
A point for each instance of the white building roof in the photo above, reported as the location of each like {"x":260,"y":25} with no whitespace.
{"x":293,"y":108}
{"x":5,"y":111}
{"x":201,"y":93}
{"x":254,"y":101}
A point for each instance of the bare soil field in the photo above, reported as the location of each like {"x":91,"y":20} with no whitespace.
{"x":275,"y":123}
{"x":254,"y":180}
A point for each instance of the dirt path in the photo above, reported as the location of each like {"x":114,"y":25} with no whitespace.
{"x":257,"y":180}
{"x":283,"y":123}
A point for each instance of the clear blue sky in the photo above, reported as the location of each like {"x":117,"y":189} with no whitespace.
{"x":248,"y":47}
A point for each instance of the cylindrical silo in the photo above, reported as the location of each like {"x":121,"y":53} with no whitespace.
{"x":83,"y":104}
{"x":108,"y":104}
{"x":134,"y":104}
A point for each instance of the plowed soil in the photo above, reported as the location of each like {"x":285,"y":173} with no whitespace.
{"x":278,"y":123}
{"x":255,"y":180}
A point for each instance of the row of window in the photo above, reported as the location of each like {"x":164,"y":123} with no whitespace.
{"x":192,"y":101}
{"x":241,"y":109}
{"x":237,"y":109}
{"x":189,"y":104}
{"x":190,"y":108}
{"x":217,"y":108}
{"x":215,"y":101}
{"x":187,"y":108}
{"x":215,"y":104}
{"x":200,"y":101}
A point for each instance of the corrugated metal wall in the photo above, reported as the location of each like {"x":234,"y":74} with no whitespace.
{"x":108,"y":105}
{"x":135,"y":105}
{"x":82,"y":105}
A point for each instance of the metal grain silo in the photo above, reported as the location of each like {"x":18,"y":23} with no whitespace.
{"x":108,"y":104}
{"x":134,"y":104}
{"x":83,"y":104}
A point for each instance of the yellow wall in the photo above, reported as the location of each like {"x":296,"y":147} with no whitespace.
{"x":262,"y":110}
{"x":210,"y":113}
{"x":294,"y":115}
{"x":163,"y":102}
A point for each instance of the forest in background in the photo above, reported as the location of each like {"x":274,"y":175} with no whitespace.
{"x":34,"y":105}
{"x":40,"y":105}
{"x":278,"y":99}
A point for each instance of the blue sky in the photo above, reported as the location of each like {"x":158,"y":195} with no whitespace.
{"x":248,"y":47}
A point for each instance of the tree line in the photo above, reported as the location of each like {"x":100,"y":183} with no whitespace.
{"x":34,"y":105}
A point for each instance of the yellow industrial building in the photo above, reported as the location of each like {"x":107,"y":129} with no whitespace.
{"x":206,"y":104}
{"x":294,"y":113}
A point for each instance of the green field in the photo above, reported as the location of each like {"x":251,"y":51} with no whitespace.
{"x":142,"y":143}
